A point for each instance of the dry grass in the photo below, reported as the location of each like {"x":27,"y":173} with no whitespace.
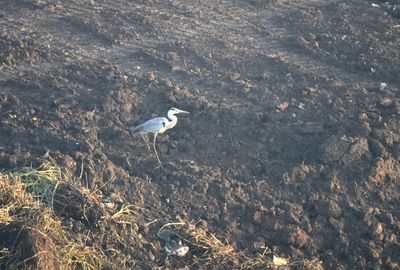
{"x":26,"y":198}
{"x":314,"y":264}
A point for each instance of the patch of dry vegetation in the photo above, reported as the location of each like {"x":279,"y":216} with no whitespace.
{"x":49,"y":221}
{"x":31,"y":234}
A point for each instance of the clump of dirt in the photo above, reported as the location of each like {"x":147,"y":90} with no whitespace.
{"x":26,"y":247}
{"x":15,"y":51}
{"x":69,"y":201}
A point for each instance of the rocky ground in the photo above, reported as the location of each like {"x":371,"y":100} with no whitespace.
{"x":292,"y":144}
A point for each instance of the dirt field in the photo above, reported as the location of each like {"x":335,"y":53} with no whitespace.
{"x":293,"y":141}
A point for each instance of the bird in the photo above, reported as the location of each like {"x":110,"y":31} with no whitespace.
{"x":158,"y":125}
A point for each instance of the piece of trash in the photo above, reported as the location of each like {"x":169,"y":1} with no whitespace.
{"x":374,"y":5}
{"x":282,"y":106}
{"x":180,"y":252}
{"x":383,"y":86}
{"x":176,"y":250}
{"x":173,"y":247}
{"x":278,"y":261}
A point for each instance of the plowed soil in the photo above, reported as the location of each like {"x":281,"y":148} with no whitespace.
{"x":293,"y":141}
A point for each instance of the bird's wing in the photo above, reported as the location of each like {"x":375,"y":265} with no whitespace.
{"x":151,"y":126}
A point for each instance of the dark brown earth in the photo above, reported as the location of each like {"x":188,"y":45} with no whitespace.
{"x":293,"y":141}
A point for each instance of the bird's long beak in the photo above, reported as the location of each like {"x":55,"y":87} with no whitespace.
{"x":182,"y":111}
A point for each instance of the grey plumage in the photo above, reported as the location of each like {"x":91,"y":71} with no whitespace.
{"x":151,"y":126}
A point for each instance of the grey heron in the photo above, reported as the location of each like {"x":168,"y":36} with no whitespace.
{"x":158,"y":125}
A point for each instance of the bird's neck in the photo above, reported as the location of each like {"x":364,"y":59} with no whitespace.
{"x":173,"y":121}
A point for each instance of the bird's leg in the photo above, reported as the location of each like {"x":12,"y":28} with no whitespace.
{"x":144,"y":139}
{"x":155,"y":150}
